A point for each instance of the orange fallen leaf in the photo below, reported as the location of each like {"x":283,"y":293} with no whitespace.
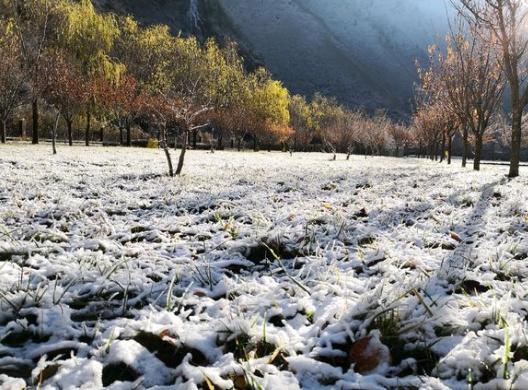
{"x":455,"y":236}
{"x":367,"y":354}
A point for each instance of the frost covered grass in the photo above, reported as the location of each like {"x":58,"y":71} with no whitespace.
{"x":259,"y":271}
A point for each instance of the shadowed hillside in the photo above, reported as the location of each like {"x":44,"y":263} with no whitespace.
{"x":362,"y":51}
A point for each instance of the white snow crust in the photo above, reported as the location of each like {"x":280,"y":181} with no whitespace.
{"x":98,"y":246}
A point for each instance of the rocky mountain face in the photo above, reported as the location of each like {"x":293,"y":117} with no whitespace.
{"x":361,"y":51}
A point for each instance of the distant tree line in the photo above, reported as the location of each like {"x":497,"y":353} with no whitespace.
{"x":104,"y":72}
{"x":71,"y":70}
{"x":462,"y":88}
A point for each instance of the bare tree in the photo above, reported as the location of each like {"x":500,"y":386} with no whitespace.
{"x":428,"y":124}
{"x":467,"y":81}
{"x":11,"y":77}
{"x":33,"y":26}
{"x":452,"y":126}
{"x":63,"y":90}
{"x":400,"y":137}
{"x":506,"y":22}
{"x":473,"y":81}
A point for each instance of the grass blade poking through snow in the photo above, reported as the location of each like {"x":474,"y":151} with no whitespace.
{"x":295,"y":281}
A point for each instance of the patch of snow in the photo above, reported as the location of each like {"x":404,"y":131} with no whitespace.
{"x":98,"y":245}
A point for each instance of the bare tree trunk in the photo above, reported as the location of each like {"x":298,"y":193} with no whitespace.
{"x":255,"y":143}
{"x":185,"y":141}
{"x":128,"y":133}
{"x":121,"y":135}
{"x":169,"y":160}
{"x":88,"y":127}
{"x":478,"y":152}
{"x":239,"y":144}
{"x":54,"y":133}
{"x":70,"y":131}
{"x":35,"y":117}
{"x":465,"y":153}
{"x":101,"y":138}
{"x":22,"y":128}
{"x":3,"y":130}
{"x":165,"y":147}
{"x":515,"y":143}
{"x":443,"y":149}
{"x":449,"y":150}
{"x":194,"y":138}
{"x":220,"y":145}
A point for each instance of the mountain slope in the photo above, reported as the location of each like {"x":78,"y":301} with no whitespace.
{"x":361,"y":51}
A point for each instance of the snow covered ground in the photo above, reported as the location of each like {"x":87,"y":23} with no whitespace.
{"x":259,"y":270}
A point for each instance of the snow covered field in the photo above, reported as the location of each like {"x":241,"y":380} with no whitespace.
{"x":259,"y":270}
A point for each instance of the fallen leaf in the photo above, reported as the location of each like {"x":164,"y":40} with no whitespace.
{"x":455,"y":236}
{"x":367,"y":354}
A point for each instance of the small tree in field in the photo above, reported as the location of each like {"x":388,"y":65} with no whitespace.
{"x":343,"y":130}
{"x":351,"y":134}
{"x":267,"y":107}
{"x":273,"y":134}
{"x":178,"y":73}
{"x":452,"y":126}
{"x":399,"y":134}
{"x":301,"y":119}
{"x":374,"y":133}
{"x":154,"y":107}
{"x":232,"y":93}
{"x":428,"y":123}
{"x":188,"y":89}
{"x":35,"y":25}
{"x":11,"y":76}
{"x":88,"y":37}
{"x":64,"y":91}
{"x":124,"y":101}
{"x":327,"y":117}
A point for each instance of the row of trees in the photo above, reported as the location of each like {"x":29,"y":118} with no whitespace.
{"x":81,"y":63}
{"x":65,"y":58}
{"x":462,"y":88}
{"x":77,"y":62}
{"x":340,"y":129}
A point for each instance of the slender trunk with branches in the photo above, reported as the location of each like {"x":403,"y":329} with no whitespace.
{"x":505,"y":22}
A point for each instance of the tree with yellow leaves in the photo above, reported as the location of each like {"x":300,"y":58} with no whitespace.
{"x":268,"y":107}
{"x":88,"y":36}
